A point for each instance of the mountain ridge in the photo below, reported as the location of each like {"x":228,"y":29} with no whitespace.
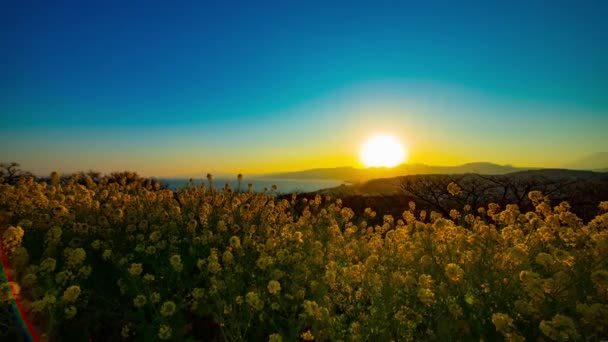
{"x":391,"y":185}
{"x":352,"y":174}
{"x":597,"y":162}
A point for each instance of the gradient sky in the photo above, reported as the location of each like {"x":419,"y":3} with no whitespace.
{"x":231,"y":87}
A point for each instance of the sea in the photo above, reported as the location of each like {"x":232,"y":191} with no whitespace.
{"x":284,"y":186}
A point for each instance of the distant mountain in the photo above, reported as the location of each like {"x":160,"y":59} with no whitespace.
{"x":391,"y":185}
{"x":351,"y":174}
{"x":480,"y":168}
{"x":340,"y":173}
{"x":596,"y":161}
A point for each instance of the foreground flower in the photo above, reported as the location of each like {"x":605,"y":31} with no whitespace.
{"x":560,"y":328}
{"x":12,"y":237}
{"x":155,"y":297}
{"x":139,"y":301}
{"x":502,"y":322}
{"x":307,"y":336}
{"x":176,"y":263}
{"x":254,"y":301}
{"x":135,"y":269}
{"x":275,"y":338}
{"x":167,"y":309}
{"x":454,"y":189}
{"x":274,"y":287}
{"x":426,"y":296}
{"x":107,"y":254}
{"x":70,"y":312}
{"x":235,"y":242}
{"x":165,"y":332}
{"x":48,"y":265}
{"x":453,"y":272}
{"x":126,"y":330}
{"x":71,"y":293}
{"x":75,"y":257}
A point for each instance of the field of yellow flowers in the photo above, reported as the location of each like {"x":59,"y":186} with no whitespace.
{"x":106,"y":260}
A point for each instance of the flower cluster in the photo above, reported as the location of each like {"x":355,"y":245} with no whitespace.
{"x":259,"y":267}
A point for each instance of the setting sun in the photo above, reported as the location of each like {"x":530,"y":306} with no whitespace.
{"x":383,"y":150}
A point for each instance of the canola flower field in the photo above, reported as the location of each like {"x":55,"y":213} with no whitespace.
{"x":122,"y":259}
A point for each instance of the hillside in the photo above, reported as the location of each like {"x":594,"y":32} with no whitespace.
{"x":582,"y":189}
{"x":391,"y":185}
{"x":351,"y":174}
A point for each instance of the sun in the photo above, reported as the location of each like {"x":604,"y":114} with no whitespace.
{"x":383,"y":150}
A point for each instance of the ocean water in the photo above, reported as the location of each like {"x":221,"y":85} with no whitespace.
{"x":283,"y":185}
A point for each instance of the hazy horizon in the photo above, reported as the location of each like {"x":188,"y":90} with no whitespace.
{"x":226,"y":88}
{"x":268,"y":175}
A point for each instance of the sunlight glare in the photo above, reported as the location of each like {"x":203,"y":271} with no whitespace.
{"x":383,"y":150}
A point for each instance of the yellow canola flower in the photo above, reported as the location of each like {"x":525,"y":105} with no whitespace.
{"x":154,"y":297}
{"x":167,"y":309}
{"x":235,"y":242}
{"x":254,"y":301}
{"x":126,"y":331}
{"x":155,"y":236}
{"x":426,"y":296}
{"x":453,"y":272}
{"x":469,"y":298}
{"x":71,"y":293}
{"x":29,"y":280}
{"x":227,"y":257}
{"x":70,"y":312}
{"x":96,"y":244}
{"x":192,"y":224}
{"x":135,"y":269}
{"x":544,"y":259}
{"x":536,"y":197}
{"x":165,"y":332}
{"x":307,"y":336}
{"x":313,"y":310}
{"x":214,"y":266}
{"x":12,"y":238}
{"x":149,"y":278}
{"x":425,"y":281}
{"x":139,"y":301}
{"x":49,"y":299}
{"x":275,"y":338}
{"x":560,"y":328}
{"x":502,"y":322}
{"x":75,"y":257}
{"x":107,"y":254}
{"x":176,"y":262}
{"x":198,"y":293}
{"x":274,"y":287}
{"x":454,"y":189}
{"x":426,"y":260}
{"x":48,"y":265}
{"x":85,"y":271}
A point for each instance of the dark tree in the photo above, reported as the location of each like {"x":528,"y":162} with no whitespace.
{"x":11,"y":172}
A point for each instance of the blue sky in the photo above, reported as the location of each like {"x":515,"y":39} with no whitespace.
{"x":284,"y":85}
